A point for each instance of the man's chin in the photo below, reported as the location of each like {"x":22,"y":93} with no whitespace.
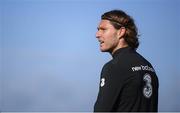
{"x":104,"y":50}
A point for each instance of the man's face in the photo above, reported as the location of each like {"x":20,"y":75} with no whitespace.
{"x":107,"y":36}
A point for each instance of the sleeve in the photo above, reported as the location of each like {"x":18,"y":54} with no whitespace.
{"x":110,"y":86}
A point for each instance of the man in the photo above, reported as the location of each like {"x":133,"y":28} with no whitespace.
{"x":128,"y":82}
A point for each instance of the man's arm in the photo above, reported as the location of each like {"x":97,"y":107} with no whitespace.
{"x":110,"y":87}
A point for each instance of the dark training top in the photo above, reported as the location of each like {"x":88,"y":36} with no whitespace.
{"x":128,"y":83}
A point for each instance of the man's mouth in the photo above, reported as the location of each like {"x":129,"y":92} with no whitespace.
{"x":101,"y":42}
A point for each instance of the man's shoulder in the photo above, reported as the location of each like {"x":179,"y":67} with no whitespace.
{"x":109,"y":66}
{"x":114,"y":68}
{"x":131,"y":58}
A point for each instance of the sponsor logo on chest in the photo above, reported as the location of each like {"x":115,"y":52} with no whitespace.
{"x":142,"y":68}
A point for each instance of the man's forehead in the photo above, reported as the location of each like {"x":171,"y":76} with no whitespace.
{"x":104,"y":23}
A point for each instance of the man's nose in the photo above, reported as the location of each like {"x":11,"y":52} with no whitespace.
{"x":97,"y":34}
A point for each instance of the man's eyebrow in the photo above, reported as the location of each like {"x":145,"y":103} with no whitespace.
{"x":100,"y":28}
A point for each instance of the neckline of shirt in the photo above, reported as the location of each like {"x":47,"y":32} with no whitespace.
{"x":120,"y":50}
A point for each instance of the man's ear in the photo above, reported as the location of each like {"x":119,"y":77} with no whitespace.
{"x":121,"y":32}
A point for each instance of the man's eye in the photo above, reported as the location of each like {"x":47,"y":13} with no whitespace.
{"x":102,"y":29}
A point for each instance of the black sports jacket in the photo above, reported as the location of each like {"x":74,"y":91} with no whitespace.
{"x":128,"y":83}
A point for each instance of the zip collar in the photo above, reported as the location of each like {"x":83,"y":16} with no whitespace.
{"x":121,"y":50}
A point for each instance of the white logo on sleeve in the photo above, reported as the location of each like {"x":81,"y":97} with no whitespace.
{"x":102,"y":82}
{"x":147,"y":90}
